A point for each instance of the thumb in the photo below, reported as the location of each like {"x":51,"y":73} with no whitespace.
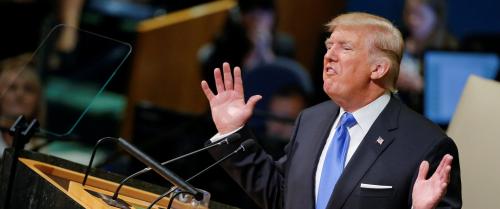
{"x":253,"y":101}
{"x":423,"y":170}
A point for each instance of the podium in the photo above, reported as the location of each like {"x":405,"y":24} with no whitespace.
{"x":43,"y":181}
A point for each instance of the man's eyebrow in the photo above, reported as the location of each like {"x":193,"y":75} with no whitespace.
{"x":346,"y":42}
{"x":341,"y":42}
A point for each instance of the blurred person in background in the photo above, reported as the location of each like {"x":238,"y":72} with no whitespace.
{"x":284,"y":106}
{"x":20,"y":94}
{"x":248,"y":39}
{"x":426,"y":25}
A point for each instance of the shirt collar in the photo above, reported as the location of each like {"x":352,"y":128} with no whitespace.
{"x":3,"y":145}
{"x":366,"y":116}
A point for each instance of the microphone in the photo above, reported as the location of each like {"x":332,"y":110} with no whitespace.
{"x":165,"y":173}
{"x":247,"y":144}
{"x":243,"y":147}
{"x":230,"y":139}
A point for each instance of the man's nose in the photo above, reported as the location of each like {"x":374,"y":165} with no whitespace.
{"x":330,"y":55}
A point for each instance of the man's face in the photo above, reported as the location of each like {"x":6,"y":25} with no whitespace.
{"x":346,"y":64}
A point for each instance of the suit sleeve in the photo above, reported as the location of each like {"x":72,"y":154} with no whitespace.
{"x":256,"y":172}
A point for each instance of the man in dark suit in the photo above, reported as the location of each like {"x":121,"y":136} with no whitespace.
{"x":362,"y":149}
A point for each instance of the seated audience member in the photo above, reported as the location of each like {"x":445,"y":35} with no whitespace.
{"x":20,"y":94}
{"x":249,"y":38}
{"x":426,"y":24}
{"x":284,"y":106}
{"x":267,"y":79}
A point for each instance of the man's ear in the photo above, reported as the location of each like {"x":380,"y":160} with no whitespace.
{"x":380,"y":68}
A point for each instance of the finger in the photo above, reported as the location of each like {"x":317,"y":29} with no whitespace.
{"x":444,"y":185}
{"x":228,"y":78}
{"x":446,"y":161}
{"x":441,"y":165}
{"x":443,"y":190}
{"x":253,"y":101}
{"x":445,"y":176}
{"x":238,"y":82}
{"x":447,"y":165}
{"x":208,"y":92}
{"x":422,"y":170}
{"x":219,"y":84}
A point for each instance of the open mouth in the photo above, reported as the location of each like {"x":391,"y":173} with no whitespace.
{"x":330,"y":71}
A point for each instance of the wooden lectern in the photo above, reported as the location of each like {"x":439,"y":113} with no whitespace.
{"x":43,"y":181}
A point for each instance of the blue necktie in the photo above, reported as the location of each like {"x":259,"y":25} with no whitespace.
{"x":334,"y":160}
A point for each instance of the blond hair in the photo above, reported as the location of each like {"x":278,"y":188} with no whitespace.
{"x":385,"y":39}
{"x":22,"y":67}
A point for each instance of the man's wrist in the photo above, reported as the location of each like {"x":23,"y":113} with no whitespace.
{"x":220,"y":136}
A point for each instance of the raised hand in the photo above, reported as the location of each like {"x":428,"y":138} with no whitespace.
{"x":428,"y":192}
{"x":229,"y":110}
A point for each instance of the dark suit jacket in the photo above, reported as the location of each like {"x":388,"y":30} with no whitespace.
{"x":289,"y":183}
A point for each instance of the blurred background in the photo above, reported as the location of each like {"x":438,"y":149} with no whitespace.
{"x":88,"y":69}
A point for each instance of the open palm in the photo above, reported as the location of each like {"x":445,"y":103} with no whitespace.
{"x":229,"y":110}
{"x":428,"y":192}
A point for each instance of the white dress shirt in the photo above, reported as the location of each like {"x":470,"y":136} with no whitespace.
{"x":365,"y":117}
{"x":3,"y":145}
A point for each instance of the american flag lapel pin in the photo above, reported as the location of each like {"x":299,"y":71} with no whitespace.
{"x":380,"y":140}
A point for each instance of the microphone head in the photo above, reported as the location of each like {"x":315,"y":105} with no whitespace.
{"x":247,"y":144}
{"x":233,"y":137}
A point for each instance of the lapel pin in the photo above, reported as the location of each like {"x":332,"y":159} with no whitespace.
{"x":380,"y":140}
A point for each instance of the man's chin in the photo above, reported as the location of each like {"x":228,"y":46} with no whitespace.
{"x":330,"y":89}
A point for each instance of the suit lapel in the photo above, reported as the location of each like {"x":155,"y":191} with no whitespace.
{"x":366,"y":154}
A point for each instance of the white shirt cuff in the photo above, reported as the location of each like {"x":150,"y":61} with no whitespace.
{"x":219,"y":136}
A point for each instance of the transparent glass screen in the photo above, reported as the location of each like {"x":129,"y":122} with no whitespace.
{"x":66,"y":80}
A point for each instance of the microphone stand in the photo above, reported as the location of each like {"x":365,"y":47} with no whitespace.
{"x":94,"y":150}
{"x":226,"y":140}
{"x":244,"y":146}
{"x":22,"y":131}
{"x":171,"y":177}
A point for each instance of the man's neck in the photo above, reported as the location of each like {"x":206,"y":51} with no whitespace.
{"x":355,"y":103}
